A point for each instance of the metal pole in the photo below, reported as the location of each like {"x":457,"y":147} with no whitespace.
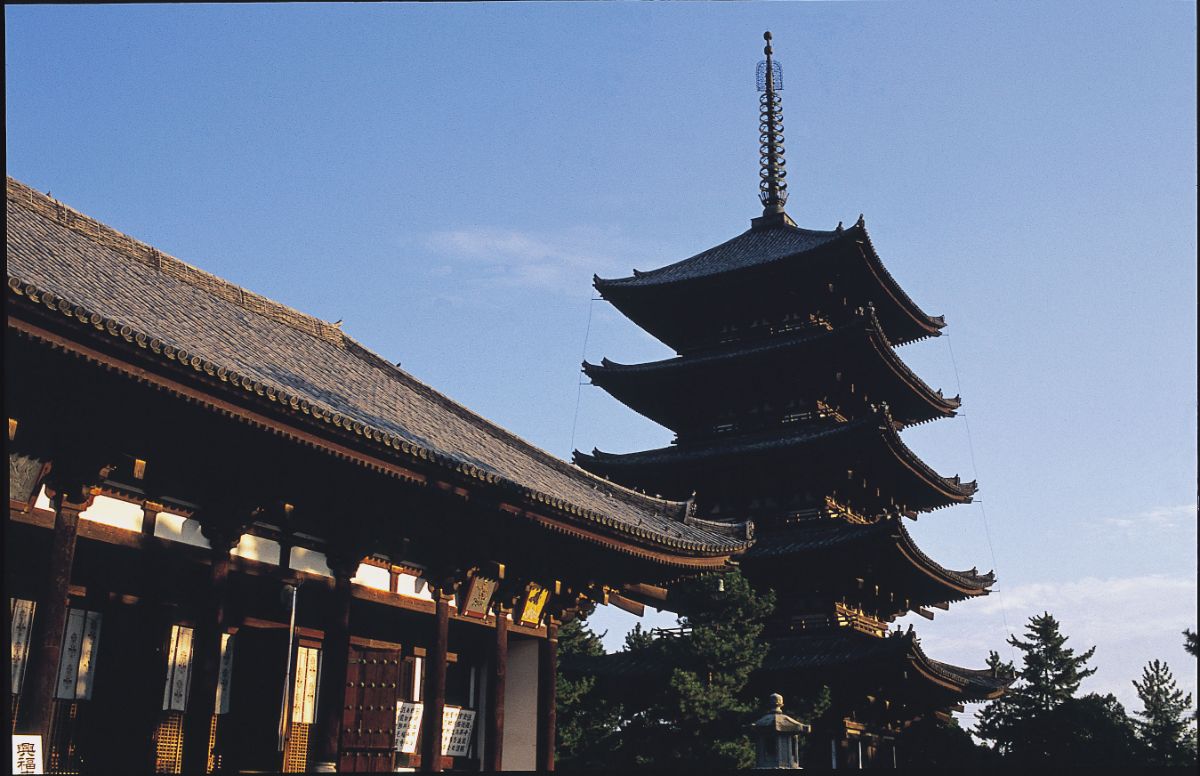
{"x":285,"y":718}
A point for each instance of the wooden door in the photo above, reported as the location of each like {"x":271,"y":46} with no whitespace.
{"x":368,"y":734}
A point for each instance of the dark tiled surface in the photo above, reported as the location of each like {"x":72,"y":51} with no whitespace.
{"x":823,"y":535}
{"x":61,"y":251}
{"x":754,"y":246}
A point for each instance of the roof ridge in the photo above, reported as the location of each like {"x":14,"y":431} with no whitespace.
{"x":29,"y":198}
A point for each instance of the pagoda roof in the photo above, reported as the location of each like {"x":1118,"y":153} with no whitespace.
{"x":830,"y":536}
{"x":629,"y":382}
{"x":767,"y":246}
{"x":819,"y":653}
{"x":107,"y":283}
{"x":751,"y":248}
{"x":939,"y":490}
{"x":841,"y":649}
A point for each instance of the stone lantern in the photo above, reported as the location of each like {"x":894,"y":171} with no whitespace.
{"x":778,"y":737}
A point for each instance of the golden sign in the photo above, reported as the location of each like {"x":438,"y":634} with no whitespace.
{"x":535,"y":601}
{"x":479,"y":597}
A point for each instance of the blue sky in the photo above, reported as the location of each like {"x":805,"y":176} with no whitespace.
{"x":446,"y":179}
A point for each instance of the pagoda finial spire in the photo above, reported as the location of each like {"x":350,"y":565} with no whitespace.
{"x":772,"y":184}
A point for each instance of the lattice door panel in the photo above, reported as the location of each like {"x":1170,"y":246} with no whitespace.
{"x":369,"y":715}
{"x":168,"y":743}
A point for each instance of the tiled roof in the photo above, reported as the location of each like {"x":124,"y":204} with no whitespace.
{"x":828,"y":535}
{"x":817,"y":652}
{"x":949,"y":490}
{"x":750,"y":248}
{"x":114,"y":282}
{"x":739,"y":356}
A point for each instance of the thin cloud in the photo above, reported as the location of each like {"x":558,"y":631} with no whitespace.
{"x":562,"y":261}
{"x":1155,"y":518}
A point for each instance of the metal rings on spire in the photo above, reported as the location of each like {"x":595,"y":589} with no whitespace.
{"x":772,"y":185}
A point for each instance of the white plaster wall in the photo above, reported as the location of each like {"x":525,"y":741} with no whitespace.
{"x":520,"y":705}
{"x":372,"y":576}
{"x":304,"y":559}
{"x":177,"y":528}
{"x":114,"y":512}
{"x":253,"y":547}
{"x":413,"y":587}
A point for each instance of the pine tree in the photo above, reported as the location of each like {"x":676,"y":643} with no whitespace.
{"x":1164,"y":729}
{"x":585,"y":720}
{"x":1051,"y":672}
{"x":1039,"y":719}
{"x":694,"y":713}
{"x":1191,"y":642}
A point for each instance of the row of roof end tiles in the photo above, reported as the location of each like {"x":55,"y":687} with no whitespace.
{"x":127,"y":515}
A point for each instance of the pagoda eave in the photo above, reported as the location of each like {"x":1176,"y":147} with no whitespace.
{"x":648,"y":469}
{"x":654,"y":388}
{"x":659,"y":301}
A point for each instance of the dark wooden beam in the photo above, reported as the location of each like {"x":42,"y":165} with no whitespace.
{"x":494,"y":748}
{"x":336,"y":645}
{"x":435,"y":684}
{"x":69,"y":497}
{"x":206,"y":649}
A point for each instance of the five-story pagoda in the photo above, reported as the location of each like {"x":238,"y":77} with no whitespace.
{"x":787,"y":398}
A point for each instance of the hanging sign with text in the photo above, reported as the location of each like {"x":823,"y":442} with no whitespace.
{"x":27,"y":754}
{"x":457,"y":725}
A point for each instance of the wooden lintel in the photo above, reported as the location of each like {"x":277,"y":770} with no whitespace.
{"x":629,"y":605}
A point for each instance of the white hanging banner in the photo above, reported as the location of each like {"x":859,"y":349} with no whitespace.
{"x":27,"y":754}
{"x":87,"y":656}
{"x":68,"y":660}
{"x":21,"y":612}
{"x":304,"y":693}
{"x":225,"y":676}
{"x":179,"y":669}
{"x":457,"y":724}
{"x":408,"y":725}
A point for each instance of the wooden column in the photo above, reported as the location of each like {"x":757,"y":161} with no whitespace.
{"x":547,"y":691}
{"x":50,"y":619}
{"x":494,"y":748}
{"x":435,"y":685}
{"x":206,"y":650}
{"x":336,"y":646}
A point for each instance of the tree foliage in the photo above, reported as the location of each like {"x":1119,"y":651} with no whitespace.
{"x":586,"y":721}
{"x":1040,"y":721}
{"x":692,"y":712}
{"x":1165,"y":727}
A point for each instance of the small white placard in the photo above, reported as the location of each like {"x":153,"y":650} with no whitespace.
{"x":27,"y":754}
{"x":457,"y":724}
{"x":408,"y":725}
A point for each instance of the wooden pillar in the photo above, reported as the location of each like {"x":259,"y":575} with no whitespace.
{"x":336,"y":646}
{"x":435,"y":685}
{"x":50,"y":619}
{"x":494,"y":748}
{"x":547,"y":691}
{"x":206,"y":652}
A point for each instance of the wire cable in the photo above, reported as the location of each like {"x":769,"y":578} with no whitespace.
{"x":982,"y":509}
{"x":582,"y":357}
